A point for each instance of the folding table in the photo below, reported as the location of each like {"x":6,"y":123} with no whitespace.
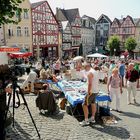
{"x":74,"y":97}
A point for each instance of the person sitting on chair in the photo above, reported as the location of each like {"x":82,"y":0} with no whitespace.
{"x":46,"y":100}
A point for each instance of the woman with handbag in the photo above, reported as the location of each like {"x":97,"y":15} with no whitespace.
{"x":114,"y":87}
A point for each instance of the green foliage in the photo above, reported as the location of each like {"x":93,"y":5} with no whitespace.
{"x":130,"y":44}
{"x":114,"y":43}
{"x":8,"y":9}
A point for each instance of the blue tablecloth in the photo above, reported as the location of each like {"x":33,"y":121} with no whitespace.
{"x":74,"y":95}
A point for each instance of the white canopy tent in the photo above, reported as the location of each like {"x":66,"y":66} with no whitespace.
{"x":98,"y":55}
{"x":78,"y":58}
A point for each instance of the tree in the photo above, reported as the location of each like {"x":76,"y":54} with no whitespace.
{"x":8,"y":9}
{"x":130,"y":44}
{"x":114,"y":45}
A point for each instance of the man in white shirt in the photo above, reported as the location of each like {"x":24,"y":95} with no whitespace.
{"x":92,"y":91}
{"x":30,"y":79}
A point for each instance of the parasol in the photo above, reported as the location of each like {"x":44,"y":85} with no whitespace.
{"x":97,"y":55}
{"x":78,"y":58}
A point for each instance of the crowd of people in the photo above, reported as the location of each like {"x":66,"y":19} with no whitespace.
{"x":117,"y":74}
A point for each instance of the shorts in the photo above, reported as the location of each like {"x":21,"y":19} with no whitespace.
{"x":90,"y":99}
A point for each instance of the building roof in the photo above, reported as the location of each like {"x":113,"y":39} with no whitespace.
{"x":121,"y":20}
{"x":118,"y":21}
{"x":33,"y":5}
{"x":131,"y":19}
{"x":136,"y":20}
{"x":108,"y":19}
{"x":36,"y":4}
{"x":92,"y":20}
{"x":70,"y":14}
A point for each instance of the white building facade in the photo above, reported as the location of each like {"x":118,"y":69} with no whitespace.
{"x":20,"y":35}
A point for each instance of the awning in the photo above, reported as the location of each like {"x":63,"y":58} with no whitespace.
{"x":20,"y":55}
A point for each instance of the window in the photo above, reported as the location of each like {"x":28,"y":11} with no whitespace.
{"x":106,"y":27}
{"x":105,"y":33}
{"x":18,"y":14}
{"x":124,"y":30}
{"x":98,"y":27}
{"x":10,"y":32}
{"x":84,"y":23}
{"x":34,"y":39}
{"x":26,"y":15}
{"x":98,"y":33}
{"x":18,"y":31}
{"x":113,"y":30}
{"x":26,"y":31}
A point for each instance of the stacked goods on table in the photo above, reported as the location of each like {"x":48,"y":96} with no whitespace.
{"x":74,"y":91}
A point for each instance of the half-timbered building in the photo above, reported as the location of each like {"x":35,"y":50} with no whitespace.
{"x":45,"y":30}
{"x":123,"y":28}
{"x":137,"y":36}
{"x":127,"y":28}
{"x":115,"y":27}
{"x":71,"y":30}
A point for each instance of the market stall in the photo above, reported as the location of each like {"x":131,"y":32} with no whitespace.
{"x":75,"y":92}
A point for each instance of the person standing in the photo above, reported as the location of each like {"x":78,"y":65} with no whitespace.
{"x":114,"y":87}
{"x":57,"y":67}
{"x":92,"y":91}
{"x":132,"y":82}
{"x":122,"y":71}
{"x":111,"y":67}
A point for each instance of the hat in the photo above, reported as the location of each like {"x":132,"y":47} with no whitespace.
{"x":86,"y":64}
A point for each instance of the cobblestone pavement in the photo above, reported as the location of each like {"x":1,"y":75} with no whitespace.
{"x":65,"y":127}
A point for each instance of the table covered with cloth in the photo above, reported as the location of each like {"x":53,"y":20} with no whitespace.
{"x":52,"y":85}
{"x":75,"y":92}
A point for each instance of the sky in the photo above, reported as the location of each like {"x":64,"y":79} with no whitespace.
{"x":94,"y":8}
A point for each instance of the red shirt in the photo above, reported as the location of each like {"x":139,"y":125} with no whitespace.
{"x":132,"y":76}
